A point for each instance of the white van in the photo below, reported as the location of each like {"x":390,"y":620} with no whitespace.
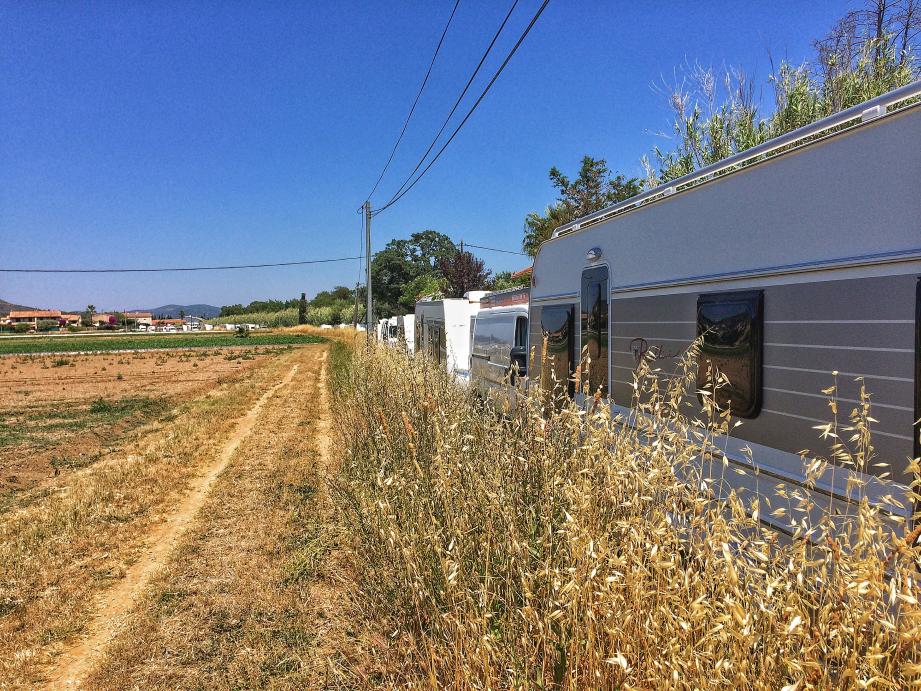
{"x":499,"y":354}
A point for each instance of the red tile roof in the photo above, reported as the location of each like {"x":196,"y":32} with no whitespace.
{"x":35,"y":314}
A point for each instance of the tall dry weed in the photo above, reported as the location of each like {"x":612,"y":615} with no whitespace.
{"x":551,"y":547}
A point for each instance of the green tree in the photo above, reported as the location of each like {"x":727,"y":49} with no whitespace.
{"x":87,"y":317}
{"x":504,"y":280}
{"x":593,"y":189}
{"x":400,"y":263}
{"x":302,"y":309}
{"x":420,"y":287}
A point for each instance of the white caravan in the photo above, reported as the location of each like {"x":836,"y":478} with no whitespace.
{"x":406,"y":331}
{"x":393,"y":331}
{"x":382,"y":329}
{"x":797,"y":263}
{"x":442,"y":330}
{"x":499,"y":354}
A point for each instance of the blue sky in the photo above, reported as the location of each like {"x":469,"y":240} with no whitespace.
{"x":189,"y":133}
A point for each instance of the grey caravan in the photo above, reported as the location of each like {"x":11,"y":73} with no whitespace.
{"x":499,"y":352}
{"x":792,"y":261}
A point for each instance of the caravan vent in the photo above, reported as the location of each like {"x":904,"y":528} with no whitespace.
{"x":873,"y":113}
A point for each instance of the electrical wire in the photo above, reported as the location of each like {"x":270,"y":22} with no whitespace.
{"x":416,"y":101}
{"x":493,"y":249}
{"x":180,"y":268}
{"x":393,"y":200}
{"x":459,"y":98}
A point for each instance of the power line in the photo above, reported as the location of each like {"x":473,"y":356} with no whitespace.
{"x":393,"y":200}
{"x":180,"y":268}
{"x":459,"y":98}
{"x":493,"y":249}
{"x":416,"y":101}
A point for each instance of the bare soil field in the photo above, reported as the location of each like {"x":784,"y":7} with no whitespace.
{"x":217,"y":501}
{"x":60,"y":413}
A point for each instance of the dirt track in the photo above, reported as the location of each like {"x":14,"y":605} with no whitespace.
{"x":115,"y":604}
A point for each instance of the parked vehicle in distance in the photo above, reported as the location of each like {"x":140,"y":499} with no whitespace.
{"x":382,"y":328}
{"x":393,"y":329}
{"x":797,"y":264}
{"x":499,"y":352}
{"x":406,"y":331}
{"x":442,"y":330}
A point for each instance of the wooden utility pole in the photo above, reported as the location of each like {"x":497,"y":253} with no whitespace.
{"x":367,"y":207}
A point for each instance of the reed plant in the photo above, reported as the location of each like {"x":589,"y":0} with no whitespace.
{"x":551,"y":545}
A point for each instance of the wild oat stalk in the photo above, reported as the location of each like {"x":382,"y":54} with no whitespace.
{"x":556,"y":548}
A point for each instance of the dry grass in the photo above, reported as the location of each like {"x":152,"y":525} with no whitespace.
{"x":558,"y":550}
{"x":71,"y":541}
{"x":249,"y":599}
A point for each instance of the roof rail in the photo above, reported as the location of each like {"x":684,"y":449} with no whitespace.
{"x":866,"y":111}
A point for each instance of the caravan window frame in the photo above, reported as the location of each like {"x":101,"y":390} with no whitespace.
{"x":749,"y":389}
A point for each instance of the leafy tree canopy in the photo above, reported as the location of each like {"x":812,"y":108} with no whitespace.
{"x":504,"y":280}
{"x":594,"y":188}
{"x":403,"y":261}
{"x":462,"y":272}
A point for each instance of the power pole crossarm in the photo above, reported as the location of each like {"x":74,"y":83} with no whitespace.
{"x":368,"y":315}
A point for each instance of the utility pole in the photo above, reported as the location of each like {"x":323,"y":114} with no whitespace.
{"x":367,"y":207}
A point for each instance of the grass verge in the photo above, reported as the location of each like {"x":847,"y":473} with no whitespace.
{"x":550,"y":548}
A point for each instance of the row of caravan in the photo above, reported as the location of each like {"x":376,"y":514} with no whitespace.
{"x":797,"y":267}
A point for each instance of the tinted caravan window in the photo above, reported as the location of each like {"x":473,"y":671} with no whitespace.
{"x":521,"y":332}
{"x":731,"y":327}
{"x":556,"y":324}
{"x":595,"y":329}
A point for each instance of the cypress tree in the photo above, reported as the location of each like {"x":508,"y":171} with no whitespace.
{"x":302,"y":309}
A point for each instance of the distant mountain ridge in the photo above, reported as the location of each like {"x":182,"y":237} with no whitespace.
{"x":172,"y":311}
{"x":7,"y":307}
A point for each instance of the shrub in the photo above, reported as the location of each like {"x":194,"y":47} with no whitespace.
{"x":321,"y":315}
{"x":22,"y":328}
{"x":46,"y":325}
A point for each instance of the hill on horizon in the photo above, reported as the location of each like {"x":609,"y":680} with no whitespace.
{"x":172,"y":311}
{"x":7,"y":307}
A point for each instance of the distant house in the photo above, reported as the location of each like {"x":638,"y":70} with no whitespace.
{"x":102,"y":319}
{"x":33,"y":317}
{"x":70,"y":319}
{"x":139,"y":318}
